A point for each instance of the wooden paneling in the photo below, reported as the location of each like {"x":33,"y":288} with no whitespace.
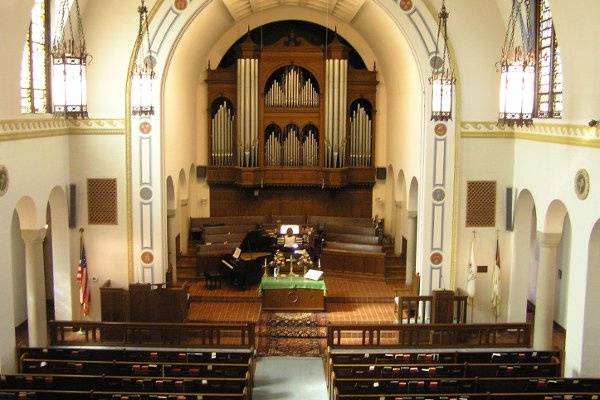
{"x":346,"y":202}
{"x":293,"y":300}
{"x":354,"y":263}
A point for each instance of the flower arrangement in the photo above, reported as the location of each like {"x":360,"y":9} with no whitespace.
{"x":278,"y":262}
{"x":305,"y":261}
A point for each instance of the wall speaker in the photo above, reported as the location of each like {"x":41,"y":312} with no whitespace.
{"x":509,"y":208}
{"x":72,"y":206}
{"x":201,"y":171}
{"x":380,"y":173}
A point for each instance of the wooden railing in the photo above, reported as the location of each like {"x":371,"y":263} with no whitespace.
{"x":226,"y":335}
{"x":429,"y":335}
{"x":418,"y":309}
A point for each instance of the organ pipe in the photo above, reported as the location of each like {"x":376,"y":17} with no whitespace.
{"x":360,"y":137}
{"x":336,"y":73}
{"x":222,"y":135}
{"x":247,"y":127}
{"x":292,"y":90}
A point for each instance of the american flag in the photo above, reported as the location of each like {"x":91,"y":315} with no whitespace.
{"x":82,"y":280}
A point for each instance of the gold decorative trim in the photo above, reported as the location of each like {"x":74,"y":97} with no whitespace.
{"x":26,"y":128}
{"x":564,"y":134}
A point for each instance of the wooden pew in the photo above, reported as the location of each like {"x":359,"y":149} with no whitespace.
{"x":352,"y":238}
{"x":340,"y":221}
{"x":356,"y":263}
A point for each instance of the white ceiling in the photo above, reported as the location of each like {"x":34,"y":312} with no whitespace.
{"x":345,"y":10}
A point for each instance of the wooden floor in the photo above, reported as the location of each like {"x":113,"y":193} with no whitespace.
{"x":347,"y":300}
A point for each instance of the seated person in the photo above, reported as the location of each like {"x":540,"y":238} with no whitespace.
{"x":289,"y":240}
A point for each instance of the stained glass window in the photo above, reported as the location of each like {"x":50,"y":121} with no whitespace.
{"x":35,"y":62}
{"x":549,"y":101}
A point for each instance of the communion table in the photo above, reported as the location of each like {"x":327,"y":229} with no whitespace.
{"x":292,"y":293}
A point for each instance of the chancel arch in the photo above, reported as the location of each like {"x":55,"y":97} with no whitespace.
{"x":187,"y":49}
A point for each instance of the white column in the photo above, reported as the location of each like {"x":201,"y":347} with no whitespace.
{"x":171,"y":241}
{"x":36,"y":291}
{"x":398,"y":232}
{"x":411,"y":246}
{"x":544,"y":302}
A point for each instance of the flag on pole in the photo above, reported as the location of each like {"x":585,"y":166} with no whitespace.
{"x":496,"y":283}
{"x":82,"y":280}
{"x":471,"y":271}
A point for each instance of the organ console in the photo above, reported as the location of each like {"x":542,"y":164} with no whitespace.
{"x":292,"y":112}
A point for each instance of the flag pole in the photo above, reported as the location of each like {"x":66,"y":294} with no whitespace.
{"x":81,"y":313}
{"x":496,"y":272}
{"x":473,"y":298}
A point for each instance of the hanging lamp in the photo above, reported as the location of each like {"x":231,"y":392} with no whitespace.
{"x":69,"y":63}
{"x":442,"y":78}
{"x":517,"y":73}
{"x":142,"y":75}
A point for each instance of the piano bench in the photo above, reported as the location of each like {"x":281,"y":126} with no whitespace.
{"x":212,"y":280}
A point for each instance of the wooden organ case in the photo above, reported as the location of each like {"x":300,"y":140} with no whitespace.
{"x":292,"y":114}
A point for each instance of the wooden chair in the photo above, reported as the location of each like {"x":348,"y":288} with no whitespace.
{"x":213,"y":279}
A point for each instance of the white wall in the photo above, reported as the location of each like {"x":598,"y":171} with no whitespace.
{"x":105,"y":245}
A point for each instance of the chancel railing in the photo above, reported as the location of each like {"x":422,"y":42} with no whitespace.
{"x":429,"y":335}
{"x":422,"y":309}
{"x":229,"y":335}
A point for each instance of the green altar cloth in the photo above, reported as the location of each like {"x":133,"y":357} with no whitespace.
{"x":290,"y":282}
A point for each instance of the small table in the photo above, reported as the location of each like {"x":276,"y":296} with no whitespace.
{"x":292,"y":293}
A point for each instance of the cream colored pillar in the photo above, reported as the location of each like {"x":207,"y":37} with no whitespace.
{"x":411,"y":246}
{"x":37,"y":323}
{"x":398,"y":233}
{"x":544,"y":300}
{"x":171,"y":241}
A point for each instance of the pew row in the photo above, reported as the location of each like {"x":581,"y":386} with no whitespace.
{"x":191,"y":335}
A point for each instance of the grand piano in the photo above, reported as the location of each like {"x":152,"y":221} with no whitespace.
{"x":247,"y":270}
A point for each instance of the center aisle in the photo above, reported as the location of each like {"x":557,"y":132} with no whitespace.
{"x":289,"y":378}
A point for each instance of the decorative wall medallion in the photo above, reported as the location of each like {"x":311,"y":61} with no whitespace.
{"x":440,"y":129}
{"x":438,"y":195}
{"x":145,"y":127}
{"x":147,"y":257}
{"x":436,"y":62}
{"x":3,"y":180}
{"x":181,"y":4}
{"x":406,"y":5}
{"x":146,"y":193}
{"x":582,"y":184}
{"x":436,"y":258}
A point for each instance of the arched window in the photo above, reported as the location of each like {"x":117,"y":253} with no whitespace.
{"x":35,"y":75}
{"x":549,"y":79}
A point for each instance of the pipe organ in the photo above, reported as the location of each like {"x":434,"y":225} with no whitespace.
{"x":304,"y":115}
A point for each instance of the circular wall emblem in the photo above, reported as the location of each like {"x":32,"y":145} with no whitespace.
{"x":145,"y":127}
{"x":406,"y":5}
{"x":3,"y":180}
{"x":146,"y":193}
{"x":436,"y":258}
{"x":436,"y":62}
{"x":440,"y":129}
{"x":181,"y":4}
{"x":147,"y":257}
{"x":438,"y":195}
{"x":582,"y":184}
